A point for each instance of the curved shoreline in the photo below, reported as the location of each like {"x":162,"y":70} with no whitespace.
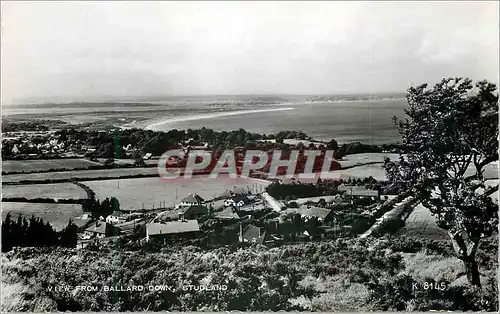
{"x":154,"y":125}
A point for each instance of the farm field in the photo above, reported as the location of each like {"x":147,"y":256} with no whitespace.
{"x":87,"y":174}
{"x":366,"y":158}
{"x":364,"y":171}
{"x":55,"y":191}
{"x":366,"y":164}
{"x":128,"y":161}
{"x":57,"y":215}
{"x":134,"y":194}
{"x":45,"y":164}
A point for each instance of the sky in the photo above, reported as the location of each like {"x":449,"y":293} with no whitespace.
{"x":80,"y":50}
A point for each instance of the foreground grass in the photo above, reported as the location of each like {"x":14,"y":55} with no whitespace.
{"x":342,"y":275}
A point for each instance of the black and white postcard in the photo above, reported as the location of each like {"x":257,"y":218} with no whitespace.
{"x":249,"y":156}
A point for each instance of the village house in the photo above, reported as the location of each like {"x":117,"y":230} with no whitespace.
{"x":226,"y":215}
{"x":253,"y":207}
{"x":191,"y":199}
{"x":235,"y":191}
{"x":321,"y":214}
{"x":100,"y":230}
{"x":359,"y":192}
{"x":116,"y":218}
{"x":226,"y":194}
{"x":258,"y":235}
{"x":237,"y":201}
{"x":194,"y":212}
{"x":172,"y":230}
{"x":252,"y":234}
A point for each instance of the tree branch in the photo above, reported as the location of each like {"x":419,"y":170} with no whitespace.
{"x":491,"y":190}
{"x":488,"y":160}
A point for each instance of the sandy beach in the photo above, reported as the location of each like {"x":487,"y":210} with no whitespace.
{"x":157,"y":124}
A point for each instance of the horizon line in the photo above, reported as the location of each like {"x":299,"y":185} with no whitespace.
{"x":146,"y":98}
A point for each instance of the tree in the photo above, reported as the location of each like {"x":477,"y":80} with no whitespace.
{"x":332,"y":145}
{"x":69,"y":235}
{"x":6,"y":232}
{"x":450,"y":134}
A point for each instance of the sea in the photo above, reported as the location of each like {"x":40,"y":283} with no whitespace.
{"x":368,"y":121}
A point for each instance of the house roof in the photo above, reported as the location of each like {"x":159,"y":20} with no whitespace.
{"x":313,"y":211}
{"x":227,"y":214}
{"x":253,"y":207}
{"x":97,"y":227}
{"x":251,"y":232}
{"x":288,"y":181}
{"x":226,"y":194}
{"x":309,"y":211}
{"x":358,"y":190}
{"x":238,"y":198}
{"x":236,"y":191}
{"x":193,"y":198}
{"x":241,"y":190}
{"x":195,"y":210}
{"x":117,"y":214}
{"x":172,"y":227}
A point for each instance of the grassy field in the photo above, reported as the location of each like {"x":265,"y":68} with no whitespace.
{"x":370,"y":164}
{"x":366,"y":158}
{"x":57,"y":215}
{"x":42,"y":165}
{"x":364,"y":171}
{"x":90,"y":174}
{"x":133,"y":194}
{"x":56,"y":191}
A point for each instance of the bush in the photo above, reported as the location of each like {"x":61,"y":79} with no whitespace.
{"x":343,"y":275}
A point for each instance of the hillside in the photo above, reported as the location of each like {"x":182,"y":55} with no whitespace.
{"x":343,"y":275}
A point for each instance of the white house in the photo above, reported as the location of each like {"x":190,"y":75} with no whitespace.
{"x":237,"y":201}
{"x":116,"y":218}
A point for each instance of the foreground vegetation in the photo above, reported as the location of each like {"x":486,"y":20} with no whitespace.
{"x":342,"y":275}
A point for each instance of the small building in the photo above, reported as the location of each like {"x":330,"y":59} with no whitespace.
{"x":237,"y":201}
{"x":194,"y":212}
{"x":287,"y":181}
{"x":241,"y":191}
{"x":100,"y":229}
{"x":253,"y":207}
{"x":192,"y":199}
{"x":116,"y":218}
{"x":359,"y":191}
{"x":226,"y":215}
{"x":147,"y":156}
{"x":322,"y":214}
{"x":226,"y":194}
{"x":257,"y":235}
{"x":172,"y":229}
{"x":252,"y":234}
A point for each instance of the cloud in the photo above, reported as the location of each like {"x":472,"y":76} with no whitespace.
{"x":88,"y":49}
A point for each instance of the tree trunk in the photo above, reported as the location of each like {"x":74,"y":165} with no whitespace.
{"x":466,"y":251}
{"x":472,"y":270}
